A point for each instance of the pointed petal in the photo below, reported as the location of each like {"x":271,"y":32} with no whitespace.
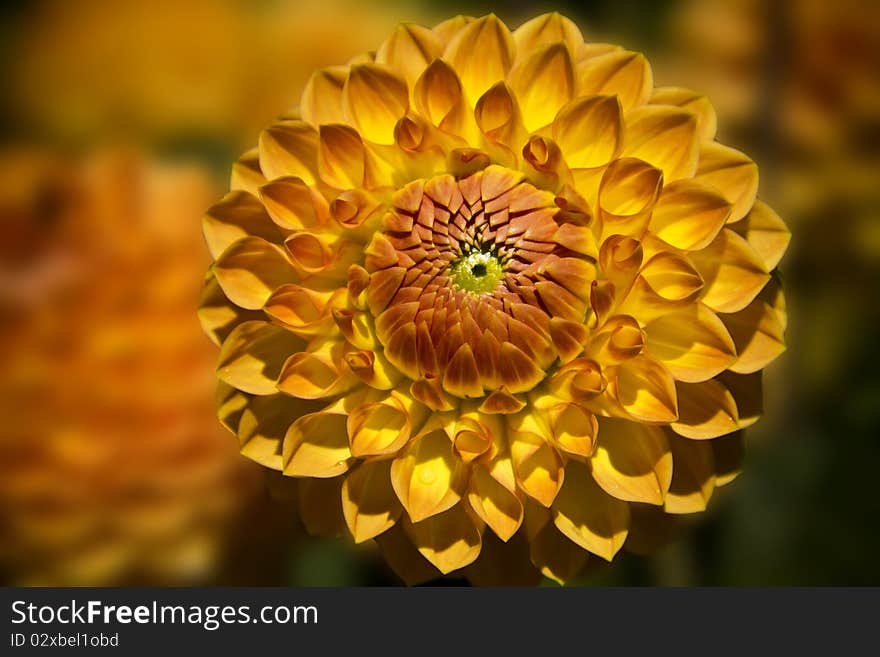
{"x":374,"y":99}
{"x":543,"y":82}
{"x":732,"y":173}
{"x":321,"y":101}
{"x":617,"y":73}
{"x":646,"y":390}
{"x":316,"y":445}
{"x":691,"y":101}
{"x":587,"y":515}
{"x":449,"y":540}
{"x":290,"y":148}
{"x":689,"y":214}
{"x":632,"y":461}
{"x":589,"y":131}
{"x":368,"y":500}
{"x":692,"y":342}
{"x":705,"y":410}
{"x":732,"y":272}
{"x":252,"y":356}
{"x":758,"y":330}
{"x":341,"y":157}
{"x":537,"y":466}
{"x":250,"y":270}
{"x":400,"y":553}
{"x":765,"y":232}
{"x":489,"y":37}
{"x":545,"y":30}
{"x":427,"y":476}
{"x":498,"y":507}
{"x":236,"y":216}
{"x":693,"y":479}
{"x":409,"y":49}
{"x":666,"y":137}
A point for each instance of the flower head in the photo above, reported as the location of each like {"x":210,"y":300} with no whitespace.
{"x":494,"y":293}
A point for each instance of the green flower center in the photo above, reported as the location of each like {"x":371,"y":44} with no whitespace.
{"x":478,"y":272}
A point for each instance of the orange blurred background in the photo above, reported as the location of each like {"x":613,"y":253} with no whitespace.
{"x":120,"y":121}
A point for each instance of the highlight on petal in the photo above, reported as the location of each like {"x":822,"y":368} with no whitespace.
{"x":589,"y":130}
{"x":427,"y":476}
{"x":705,"y":410}
{"x":368,"y":500}
{"x":409,"y":49}
{"x":321,"y":101}
{"x":316,"y":374}
{"x":665,"y":137}
{"x":646,"y":390}
{"x":382,"y":427}
{"x":341,"y":157}
{"x":252,"y":356}
{"x":688,"y":215}
{"x":488,"y":38}
{"x":293,"y":205}
{"x":543,"y":82}
{"x":629,"y":187}
{"x":765,"y":232}
{"x":587,"y":515}
{"x":236,"y":216}
{"x":250,"y":270}
{"x":449,"y":540}
{"x":316,"y":445}
{"x":730,"y":172}
{"x":632,"y":461}
{"x":696,"y":103}
{"x":620,"y":73}
{"x":439,"y":97}
{"x":290,"y":148}
{"x":732,"y":272}
{"x":264,"y":423}
{"x":692,"y":343}
{"x":545,"y":30}
{"x":574,"y":429}
{"x":538,"y":467}
{"x":693,"y":479}
{"x":373,"y":99}
{"x":497,"y":506}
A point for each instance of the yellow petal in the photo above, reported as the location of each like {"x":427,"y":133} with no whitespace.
{"x":498,"y":507}
{"x":316,"y":375}
{"x":632,"y":461}
{"x":368,"y":500}
{"x":691,"y":101}
{"x":758,"y":330}
{"x":538,"y":467}
{"x":439,"y":97}
{"x":218,"y":315}
{"x":545,"y":30}
{"x":765,"y":232}
{"x":728,"y":452}
{"x":409,"y":49}
{"x":290,"y":148}
{"x":246,"y":175}
{"x":427,"y":476}
{"x":236,"y":216}
{"x":374,"y":99}
{"x":293,"y":205}
{"x":449,"y":540}
{"x":341,"y":157}
{"x":316,"y":445}
{"x":498,"y":116}
{"x":620,"y":73}
{"x":482,"y":52}
{"x":732,"y":173}
{"x":689,"y":214}
{"x":692,"y":343}
{"x":321,"y":101}
{"x":250,"y":270}
{"x":400,"y":553}
{"x":629,"y":187}
{"x":264,"y":423}
{"x":554,"y":555}
{"x":732,"y":272}
{"x":587,"y":515}
{"x":705,"y":410}
{"x":748,"y":393}
{"x":589,"y":131}
{"x":574,"y":429}
{"x":646,"y":390}
{"x":666,"y":137}
{"x":303,"y":311}
{"x":382,"y":427}
{"x":543,"y":82}
{"x":252,"y":356}
{"x":693,"y":478}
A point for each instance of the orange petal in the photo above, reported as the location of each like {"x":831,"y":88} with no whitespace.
{"x":293,"y":205}
{"x":250,"y":270}
{"x":341,"y":157}
{"x":290,"y":148}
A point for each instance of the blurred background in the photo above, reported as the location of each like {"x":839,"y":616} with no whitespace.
{"x":119,"y":124}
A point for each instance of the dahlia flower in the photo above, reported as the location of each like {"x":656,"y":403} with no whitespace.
{"x":493,"y":297}
{"x":112,"y":466}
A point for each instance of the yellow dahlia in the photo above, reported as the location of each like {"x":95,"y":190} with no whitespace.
{"x":493,"y":293}
{"x":112,"y":467}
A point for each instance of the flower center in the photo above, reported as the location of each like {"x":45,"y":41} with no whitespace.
{"x":466,"y":279}
{"x":477,"y":273}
